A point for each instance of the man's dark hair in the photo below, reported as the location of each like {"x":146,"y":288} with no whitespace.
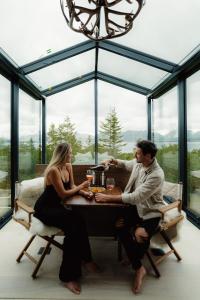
{"x":147,"y":147}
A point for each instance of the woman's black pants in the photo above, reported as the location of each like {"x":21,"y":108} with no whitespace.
{"x":76,"y":247}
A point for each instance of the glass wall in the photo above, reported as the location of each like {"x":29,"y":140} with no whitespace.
{"x":193,"y":141}
{"x":29,"y":135}
{"x":122,"y":120}
{"x":70,"y":118}
{"x":165,"y":132}
{"x":5,"y":192}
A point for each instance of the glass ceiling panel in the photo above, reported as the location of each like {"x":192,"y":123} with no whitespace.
{"x":33,"y":29}
{"x":129,"y":70}
{"x":168,"y":29}
{"x":64,"y":70}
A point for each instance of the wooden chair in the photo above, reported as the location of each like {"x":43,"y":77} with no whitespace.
{"x":171,"y":216}
{"x":23,"y":214}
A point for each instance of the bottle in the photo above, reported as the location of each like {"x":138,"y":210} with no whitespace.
{"x":93,"y":178}
{"x":98,"y":168}
{"x":101,"y":167}
{"x":102,"y":179}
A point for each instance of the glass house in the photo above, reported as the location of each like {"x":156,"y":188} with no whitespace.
{"x":56,"y":84}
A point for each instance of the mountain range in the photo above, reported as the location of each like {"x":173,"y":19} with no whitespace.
{"x":129,"y":136}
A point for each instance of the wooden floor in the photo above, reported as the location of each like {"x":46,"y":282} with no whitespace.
{"x":180,"y":280}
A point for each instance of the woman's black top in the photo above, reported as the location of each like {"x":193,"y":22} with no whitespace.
{"x":49,"y":200}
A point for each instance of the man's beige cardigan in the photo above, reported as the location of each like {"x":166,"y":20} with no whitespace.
{"x":144,"y":188}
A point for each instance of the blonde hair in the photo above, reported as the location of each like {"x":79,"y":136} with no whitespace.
{"x":59,"y":156}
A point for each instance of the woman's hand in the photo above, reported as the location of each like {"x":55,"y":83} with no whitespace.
{"x":102,"y":198}
{"x":87,"y":195}
{"x":84,"y":184}
{"x":68,"y":167}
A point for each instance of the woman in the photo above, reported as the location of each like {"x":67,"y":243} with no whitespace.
{"x":59,"y":186}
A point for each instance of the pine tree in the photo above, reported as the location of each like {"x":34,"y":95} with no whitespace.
{"x":90,"y":146}
{"x":110,"y":138}
{"x":64,"y":133}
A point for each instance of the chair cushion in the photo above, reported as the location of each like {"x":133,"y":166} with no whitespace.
{"x":30,"y":190}
{"x":168,"y":199}
{"x":171,"y":189}
{"x":37,"y":227}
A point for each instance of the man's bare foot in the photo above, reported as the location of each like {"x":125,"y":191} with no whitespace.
{"x":73,"y":286}
{"x":92,"y":267}
{"x":139,"y":276}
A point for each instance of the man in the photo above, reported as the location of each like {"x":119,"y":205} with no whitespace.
{"x":144,"y":192}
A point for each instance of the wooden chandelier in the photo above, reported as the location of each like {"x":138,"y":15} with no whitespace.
{"x":101,"y":19}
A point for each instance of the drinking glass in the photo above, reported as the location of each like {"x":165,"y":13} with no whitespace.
{"x":110,"y":183}
{"x":89,"y":176}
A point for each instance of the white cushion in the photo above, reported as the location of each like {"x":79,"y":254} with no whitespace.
{"x":172,"y":189}
{"x":30,"y":190}
{"x":37,"y":227}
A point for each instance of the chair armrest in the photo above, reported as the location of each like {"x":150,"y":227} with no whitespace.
{"x":26,"y":208}
{"x":22,"y":205}
{"x":170,"y":206}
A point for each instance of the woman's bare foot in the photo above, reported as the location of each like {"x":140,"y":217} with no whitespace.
{"x":92,"y":267}
{"x":73,"y":286}
{"x":139,"y":276}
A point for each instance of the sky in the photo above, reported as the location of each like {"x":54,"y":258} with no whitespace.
{"x":130,"y":107}
{"x":30,"y":29}
{"x":35,"y":26}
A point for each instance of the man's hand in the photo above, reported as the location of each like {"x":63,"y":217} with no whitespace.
{"x":102,"y":198}
{"x":109,"y":162}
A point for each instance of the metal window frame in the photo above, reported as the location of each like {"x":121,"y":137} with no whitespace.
{"x":178,"y":76}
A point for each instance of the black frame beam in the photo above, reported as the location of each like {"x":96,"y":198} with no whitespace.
{"x":181,"y":72}
{"x":57,"y":57}
{"x":149,"y":118}
{"x":123,"y":83}
{"x":12,"y":72}
{"x":96,"y":75}
{"x":68,"y":84}
{"x":43,"y":131}
{"x":96,"y":103}
{"x":14,"y":137}
{"x":138,"y":56}
{"x":182,"y":138}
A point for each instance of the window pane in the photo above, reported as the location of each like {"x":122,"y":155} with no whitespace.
{"x":165,"y":133}
{"x":129,"y":69}
{"x":5,"y":192}
{"x":65,"y":70}
{"x":70,"y":118}
{"x":122,"y":120}
{"x":29,"y":135}
{"x":193,"y":141}
{"x":34,"y":29}
{"x":167,"y":29}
